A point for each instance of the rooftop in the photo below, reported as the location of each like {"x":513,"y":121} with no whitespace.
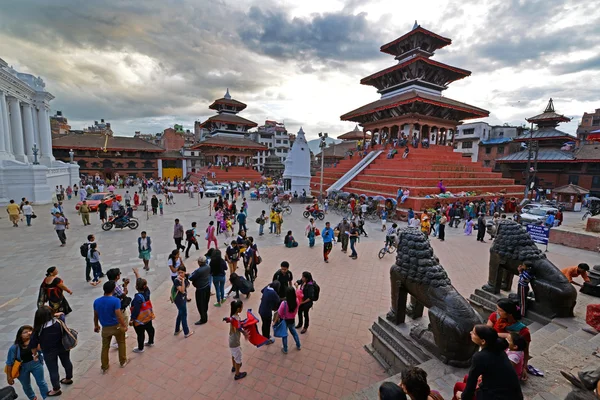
{"x":230,"y":119}
{"x":227,"y":100}
{"x":493,"y":141}
{"x":544,"y":133}
{"x":549,"y":116}
{"x":229,"y":141}
{"x":544,"y":155}
{"x":355,"y":134}
{"x":571,"y":189}
{"x":95,"y":141}
{"x":394,"y":47}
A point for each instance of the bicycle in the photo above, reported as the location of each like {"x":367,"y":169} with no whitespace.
{"x":388,"y":248}
{"x":285,"y":209}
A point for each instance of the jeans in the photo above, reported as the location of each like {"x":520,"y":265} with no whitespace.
{"x":292,"y":329}
{"x":202,"y":299}
{"x":219,"y":282}
{"x":344,"y":242}
{"x":107,"y":334}
{"x":261,"y":228}
{"x":28,"y":218}
{"x":311,"y":240}
{"x":273,"y":227}
{"x":62,"y":236}
{"x":88,"y":270}
{"x":303,"y":314}
{"x":181,"y":320}
{"x":51,"y":357}
{"x":36,"y":369}
{"x":97,"y":269}
{"x":352,"y":243}
{"x":141,"y":330}
{"x":243,"y":227}
{"x":442,"y":232}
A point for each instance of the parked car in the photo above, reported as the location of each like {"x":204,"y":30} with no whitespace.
{"x":536,"y":215}
{"x":93,"y":200}
{"x":212,"y":191}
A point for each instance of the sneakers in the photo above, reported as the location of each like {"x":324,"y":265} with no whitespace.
{"x":137,"y":350}
{"x":177,"y":333}
{"x":189,"y":334}
{"x":200,"y":322}
{"x":125,"y":363}
{"x":217,"y":304}
{"x":284,"y":351}
{"x":223,"y":301}
{"x":239,"y":376}
{"x":115,"y":345}
{"x":148,"y":344}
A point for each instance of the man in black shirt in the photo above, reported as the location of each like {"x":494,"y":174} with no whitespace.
{"x":285,"y":277}
{"x":200,"y":278}
{"x":102,"y":210}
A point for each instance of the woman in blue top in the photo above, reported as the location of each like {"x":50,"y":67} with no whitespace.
{"x":30,"y":364}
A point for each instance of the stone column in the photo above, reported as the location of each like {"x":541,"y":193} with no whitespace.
{"x":183,"y":168}
{"x":45,"y":136}
{"x":160,"y":168}
{"x":36,"y":127}
{"x":16,"y":126}
{"x":28,"y":130}
{"x":5,"y":123}
{"x":3,"y":133}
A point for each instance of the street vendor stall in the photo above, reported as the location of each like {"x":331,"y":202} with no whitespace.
{"x":571,"y":196}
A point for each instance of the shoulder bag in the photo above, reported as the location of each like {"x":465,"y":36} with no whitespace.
{"x":69,"y":336}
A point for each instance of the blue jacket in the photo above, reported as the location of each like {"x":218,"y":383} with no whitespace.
{"x":327,"y":235}
{"x":140,"y":243}
{"x":14,"y":354}
{"x":269,"y":301}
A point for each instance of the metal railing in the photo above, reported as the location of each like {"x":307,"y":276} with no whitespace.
{"x":354,"y":171}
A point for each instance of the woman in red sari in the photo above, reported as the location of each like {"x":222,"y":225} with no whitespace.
{"x":506,"y":320}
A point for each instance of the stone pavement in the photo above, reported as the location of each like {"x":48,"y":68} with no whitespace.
{"x":332,"y":362}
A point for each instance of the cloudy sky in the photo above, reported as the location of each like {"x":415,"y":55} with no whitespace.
{"x":145,"y":65}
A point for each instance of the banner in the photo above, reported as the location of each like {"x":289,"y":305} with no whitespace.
{"x":539,"y":233}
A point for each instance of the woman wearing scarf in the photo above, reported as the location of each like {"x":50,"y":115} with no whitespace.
{"x":506,"y":320}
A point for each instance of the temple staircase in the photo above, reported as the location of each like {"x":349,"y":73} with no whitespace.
{"x":234,"y":173}
{"x":332,"y":174}
{"x":421,"y":171}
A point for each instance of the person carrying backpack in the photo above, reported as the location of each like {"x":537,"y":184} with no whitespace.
{"x":308,"y":290}
{"x":83,"y":250}
{"x":142,"y":315}
{"x":190,"y":236}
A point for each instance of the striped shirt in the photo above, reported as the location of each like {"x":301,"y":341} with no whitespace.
{"x":525,"y":277}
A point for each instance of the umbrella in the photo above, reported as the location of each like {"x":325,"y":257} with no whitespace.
{"x":593,"y":199}
{"x":379,"y":198}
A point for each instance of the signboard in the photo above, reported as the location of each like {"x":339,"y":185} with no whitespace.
{"x":539,"y":233}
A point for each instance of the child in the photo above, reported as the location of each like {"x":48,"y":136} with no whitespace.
{"x":525,"y":277}
{"x":326,"y":206}
{"x":160,"y":206}
{"x":235,"y":345}
{"x":229,"y":227}
{"x":515,"y":351}
{"x":384,"y":215}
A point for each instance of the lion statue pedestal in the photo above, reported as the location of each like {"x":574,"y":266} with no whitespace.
{"x":444,"y":333}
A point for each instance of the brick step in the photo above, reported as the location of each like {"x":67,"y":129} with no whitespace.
{"x":426,"y":166}
{"x":453,"y":157}
{"x":381,"y":173}
{"x":423,"y":191}
{"x":432,"y":182}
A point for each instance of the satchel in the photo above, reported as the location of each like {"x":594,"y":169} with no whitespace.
{"x":13,"y":370}
{"x":280,"y":329}
{"x":69,"y":336}
{"x":146,"y":313}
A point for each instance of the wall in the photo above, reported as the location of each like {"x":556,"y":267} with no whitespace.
{"x":172,"y":140}
{"x":573,"y":239}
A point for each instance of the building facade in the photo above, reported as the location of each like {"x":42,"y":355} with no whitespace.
{"x":275,"y":137}
{"x":472,"y":136}
{"x":590,"y":122}
{"x":59,"y":125}
{"x":27,"y":166}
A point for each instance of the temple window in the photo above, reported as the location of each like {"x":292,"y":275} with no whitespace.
{"x":500,"y":150}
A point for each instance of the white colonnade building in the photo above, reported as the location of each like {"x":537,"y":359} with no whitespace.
{"x":25,"y":126}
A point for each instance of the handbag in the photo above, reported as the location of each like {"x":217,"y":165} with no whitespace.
{"x":280,"y":329}
{"x":14,"y":370}
{"x":146,"y":313}
{"x":69,"y":336}
{"x":33,"y":216}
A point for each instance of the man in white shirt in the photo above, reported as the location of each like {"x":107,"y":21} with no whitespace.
{"x":27,"y":212}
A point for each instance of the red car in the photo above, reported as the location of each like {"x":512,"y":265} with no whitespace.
{"x":94,"y":199}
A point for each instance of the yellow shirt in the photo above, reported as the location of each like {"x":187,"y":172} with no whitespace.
{"x":13,"y":209}
{"x":425,"y":226}
{"x":273,"y":216}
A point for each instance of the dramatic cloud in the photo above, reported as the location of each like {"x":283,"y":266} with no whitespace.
{"x":147,"y":65}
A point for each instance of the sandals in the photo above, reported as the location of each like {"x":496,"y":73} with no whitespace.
{"x":66,"y":381}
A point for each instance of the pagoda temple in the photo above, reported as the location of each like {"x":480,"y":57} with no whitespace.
{"x":223,"y":137}
{"x":411,"y":103}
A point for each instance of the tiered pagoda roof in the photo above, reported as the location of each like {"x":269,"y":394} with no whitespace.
{"x":354,"y":134}
{"x":414,"y":85}
{"x":549,"y":118}
{"x":227,"y":104}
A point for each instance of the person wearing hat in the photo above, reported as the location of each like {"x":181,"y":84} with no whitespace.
{"x":200,"y":278}
{"x":344,"y":228}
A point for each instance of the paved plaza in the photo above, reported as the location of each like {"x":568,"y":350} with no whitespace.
{"x":332,"y":362}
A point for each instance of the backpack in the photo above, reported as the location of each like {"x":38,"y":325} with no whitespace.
{"x":83,"y":250}
{"x":317,"y":291}
{"x":189,"y":235}
{"x":146,"y":312}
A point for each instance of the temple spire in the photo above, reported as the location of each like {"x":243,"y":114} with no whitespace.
{"x":550,"y":106}
{"x":227,"y":95}
{"x":416,"y":25}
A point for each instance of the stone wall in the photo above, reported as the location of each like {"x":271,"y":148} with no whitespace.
{"x":575,"y":239}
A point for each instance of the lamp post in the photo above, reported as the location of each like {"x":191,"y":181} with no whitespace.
{"x":35,"y":154}
{"x":71,"y":155}
{"x":322,"y":146}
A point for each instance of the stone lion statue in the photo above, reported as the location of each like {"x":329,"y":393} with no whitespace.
{"x":554,"y":295}
{"x":451,"y":318}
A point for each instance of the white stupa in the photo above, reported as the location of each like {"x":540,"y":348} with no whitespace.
{"x":296,"y":175}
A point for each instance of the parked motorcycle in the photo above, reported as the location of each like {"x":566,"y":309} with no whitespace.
{"x":130,"y":222}
{"x":315,"y":214}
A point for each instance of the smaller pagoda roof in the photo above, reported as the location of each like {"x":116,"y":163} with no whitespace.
{"x":394,"y":47}
{"x":230,"y":119}
{"x":95,"y":141}
{"x":355,"y":134}
{"x":229,"y":141}
{"x":588,"y":152}
{"x":414,"y":96}
{"x":549,"y":115}
{"x":571,"y":189}
{"x":544,"y":155}
{"x":227,"y":100}
{"x":338,"y":150}
{"x":546,"y":133}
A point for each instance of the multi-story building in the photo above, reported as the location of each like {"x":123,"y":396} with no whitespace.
{"x":273,"y":135}
{"x":590,"y":122}
{"x":470,"y":137}
{"x":59,"y":124}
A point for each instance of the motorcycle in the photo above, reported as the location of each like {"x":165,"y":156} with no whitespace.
{"x":314,"y":213}
{"x":130,"y":222}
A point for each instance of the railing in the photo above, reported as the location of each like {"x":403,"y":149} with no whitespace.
{"x":354,"y":171}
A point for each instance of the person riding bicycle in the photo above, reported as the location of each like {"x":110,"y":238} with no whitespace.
{"x":391,"y":236}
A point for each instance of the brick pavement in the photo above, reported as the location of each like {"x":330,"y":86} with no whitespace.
{"x":332,"y":362}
